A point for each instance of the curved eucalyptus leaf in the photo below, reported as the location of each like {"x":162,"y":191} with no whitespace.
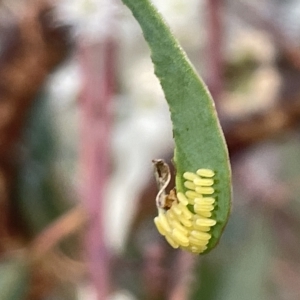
{"x":199,"y":141}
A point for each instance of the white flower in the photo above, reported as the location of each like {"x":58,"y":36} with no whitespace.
{"x":184,"y":18}
{"x":91,"y":20}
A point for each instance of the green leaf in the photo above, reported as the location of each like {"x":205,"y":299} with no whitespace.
{"x":248,"y":272}
{"x":14,"y":280}
{"x":38,"y":196}
{"x":199,"y":141}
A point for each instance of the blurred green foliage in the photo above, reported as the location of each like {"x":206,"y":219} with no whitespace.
{"x":14,"y":279}
{"x":39,"y":195}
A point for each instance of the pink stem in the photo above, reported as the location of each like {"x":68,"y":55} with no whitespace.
{"x":214,"y":49}
{"x":97,"y":69}
{"x":183,"y":269}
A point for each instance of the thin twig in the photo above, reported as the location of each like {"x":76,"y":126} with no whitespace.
{"x":214,"y":48}
{"x":97,"y":67}
{"x":244,"y":133}
{"x":66,"y":225}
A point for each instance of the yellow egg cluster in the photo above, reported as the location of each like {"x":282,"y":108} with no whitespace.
{"x":182,"y":227}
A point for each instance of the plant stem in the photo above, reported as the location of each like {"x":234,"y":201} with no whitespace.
{"x":97,"y":68}
{"x":214,"y":49}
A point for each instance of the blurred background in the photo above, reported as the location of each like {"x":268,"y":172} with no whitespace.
{"x":81,"y":117}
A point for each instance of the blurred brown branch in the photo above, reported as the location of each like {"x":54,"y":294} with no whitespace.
{"x":244,"y":133}
{"x":32,"y":47}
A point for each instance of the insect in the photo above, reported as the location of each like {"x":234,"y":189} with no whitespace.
{"x":185,"y":219}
